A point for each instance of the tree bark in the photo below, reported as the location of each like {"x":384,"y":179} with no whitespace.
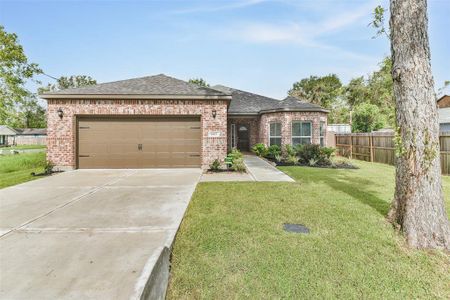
{"x":418,"y":206}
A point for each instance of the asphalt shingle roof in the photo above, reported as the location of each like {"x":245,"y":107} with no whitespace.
{"x":150,"y":85}
{"x":245,"y":102}
{"x":242,"y":102}
{"x":248,"y":103}
{"x":31,"y":131}
{"x":293,"y":103}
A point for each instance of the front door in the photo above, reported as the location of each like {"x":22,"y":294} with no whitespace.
{"x":243,"y":142}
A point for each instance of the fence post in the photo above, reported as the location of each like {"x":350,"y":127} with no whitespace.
{"x":371,"y":146}
{"x":351,"y":146}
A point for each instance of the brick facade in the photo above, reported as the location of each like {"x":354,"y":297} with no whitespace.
{"x":286,"y":119}
{"x":61,"y":134}
{"x":259,"y":126}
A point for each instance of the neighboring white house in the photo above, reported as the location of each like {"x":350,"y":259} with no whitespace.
{"x":22,"y":136}
{"x":339,"y":128}
{"x":444,"y":119}
{"x":5,"y":133}
{"x":444,"y":113}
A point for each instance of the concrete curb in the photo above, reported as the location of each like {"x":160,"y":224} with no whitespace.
{"x":154,"y":279}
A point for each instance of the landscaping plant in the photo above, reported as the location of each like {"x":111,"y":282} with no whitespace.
{"x":215,"y":165}
{"x":273,"y":151}
{"x":260,"y":149}
{"x":235,"y":160}
{"x":312,"y":154}
{"x":238,"y":165}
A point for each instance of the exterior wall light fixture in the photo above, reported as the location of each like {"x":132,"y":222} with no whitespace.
{"x":60,"y":113}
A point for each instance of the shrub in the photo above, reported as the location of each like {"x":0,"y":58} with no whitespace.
{"x":238,"y":165}
{"x":314,"y":154}
{"x":236,"y":160}
{"x":215,"y":165}
{"x":48,"y":168}
{"x":290,"y":151}
{"x":235,"y":154}
{"x":307,"y":152}
{"x":273,"y":151}
{"x":312,"y":162}
{"x":292,"y":159}
{"x":278,"y":157}
{"x":259,"y":149}
{"x":327,"y":152}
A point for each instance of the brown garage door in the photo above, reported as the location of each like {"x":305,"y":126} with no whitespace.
{"x":138,"y":143}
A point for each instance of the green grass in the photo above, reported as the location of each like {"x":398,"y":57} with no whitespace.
{"x":231,"y":243}
{"x":25,"y":147}
{"x":15,"y":169}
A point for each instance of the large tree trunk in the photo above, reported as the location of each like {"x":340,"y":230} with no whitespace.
{"x":418,"y":207}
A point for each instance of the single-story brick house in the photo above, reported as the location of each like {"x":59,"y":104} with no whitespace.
{"x":160,"y":121}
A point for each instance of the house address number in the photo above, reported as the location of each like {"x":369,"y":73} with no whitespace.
{"x":214,"y":134}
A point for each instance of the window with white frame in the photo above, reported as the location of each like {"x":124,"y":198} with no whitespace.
{"x":275,"y":134}
{"x":301,"y":133}
{"x":322,"y":134}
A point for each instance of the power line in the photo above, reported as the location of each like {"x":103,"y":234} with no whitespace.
{"x":50,"y":76}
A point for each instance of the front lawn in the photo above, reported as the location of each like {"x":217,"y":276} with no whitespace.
{"x":17,"y":168}
{"x":231,"y":243}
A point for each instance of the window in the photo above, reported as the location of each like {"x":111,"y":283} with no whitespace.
{"x":233,"y":135}
{"x":301,"y":133}
{"x":322,"y":134}
{"x":275,"y":134}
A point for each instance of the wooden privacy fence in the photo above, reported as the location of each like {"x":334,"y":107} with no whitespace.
{"x":379,"y":147}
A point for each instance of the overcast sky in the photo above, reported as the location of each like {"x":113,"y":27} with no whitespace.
{"x":254,"y":45}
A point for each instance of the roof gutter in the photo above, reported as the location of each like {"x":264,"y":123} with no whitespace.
{"x":237,"y":114}
{"x":293,"y":110}
{"x":133,"y":97}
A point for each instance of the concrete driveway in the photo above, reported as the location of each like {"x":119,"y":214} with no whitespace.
{"x":91,"y":234}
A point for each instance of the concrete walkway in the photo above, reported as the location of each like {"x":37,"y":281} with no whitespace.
{"x":261,"y":170}
{"x":92,"y":234}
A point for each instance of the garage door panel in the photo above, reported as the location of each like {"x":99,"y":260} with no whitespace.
{"x":114,"y":142}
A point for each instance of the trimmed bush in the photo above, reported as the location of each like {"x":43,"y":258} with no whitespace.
{"x":215,"y":165}
{"x":236,"y":159}
{"x":238,"y":165}
{"x":314,"y":154}
{"x":289,"y":150}
{"x":273,"y":151}
{"x":259,"y":149}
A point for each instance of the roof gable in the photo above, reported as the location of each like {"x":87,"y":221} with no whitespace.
{"x":243,"y":102}
{"x":6,"y":130}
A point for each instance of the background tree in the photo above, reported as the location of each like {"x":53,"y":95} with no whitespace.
{"x":28,"y":114}
{"x":418,"y":206}
{"x":356,"y":91}
{"x":323,"y":91}
{"x":381,"y":91}
{"x":199,"y":81}
{"x":15,"y":71}
{"x":64,"y":82}
{"x":366,"y":117}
